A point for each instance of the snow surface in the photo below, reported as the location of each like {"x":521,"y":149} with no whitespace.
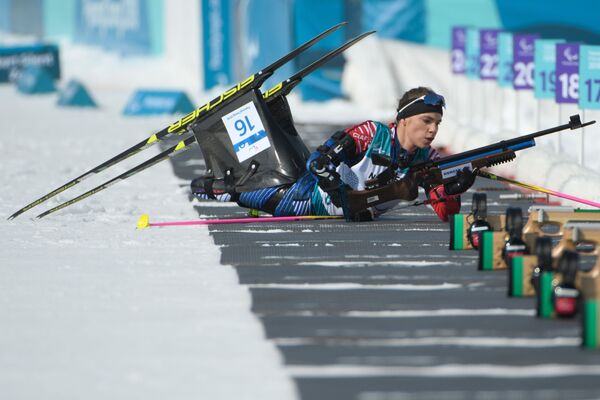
{"x":91,"y":307}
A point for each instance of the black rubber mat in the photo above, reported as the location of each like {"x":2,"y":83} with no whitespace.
{"x":383,"y":310}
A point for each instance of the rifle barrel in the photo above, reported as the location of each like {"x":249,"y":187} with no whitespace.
{"x":515,"y":144}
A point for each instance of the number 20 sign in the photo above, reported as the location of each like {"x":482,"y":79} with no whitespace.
{"x":523,"y":60}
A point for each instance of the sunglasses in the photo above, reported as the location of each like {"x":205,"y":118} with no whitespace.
{"x":431,"y":99}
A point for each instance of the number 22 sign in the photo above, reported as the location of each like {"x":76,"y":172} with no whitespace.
{"x":488,"y":53}
{"x":246,"y":131}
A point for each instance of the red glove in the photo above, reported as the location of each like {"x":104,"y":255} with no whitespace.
{"x":443,"y":204}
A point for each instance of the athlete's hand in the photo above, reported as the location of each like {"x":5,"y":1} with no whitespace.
{"x":408,"y":187}
{"x":464,"y":180}
{"x":321,"y":166}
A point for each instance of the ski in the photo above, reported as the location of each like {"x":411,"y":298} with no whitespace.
{"x":283,"y":88}
{"x":179,"y":127}
{"x":178,"y":148}
{"x":144,"y":220}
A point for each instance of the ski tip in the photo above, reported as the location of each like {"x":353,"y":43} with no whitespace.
{"x":17,"y":213}
{"x":143,"y":222}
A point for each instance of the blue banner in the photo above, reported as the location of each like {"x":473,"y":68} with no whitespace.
{"x":121,"y":25}
{"x":312,"y":17}
{"x":459,"y":39}
{"x":523,"y":66}
{"x":14,"y":59}
{"x":217,"y":43}
{"x":545,"y":68}
{"x":575,"y":21}
{"x":589,"y":77}
{"x":505,"y":59}
{"x":567,"y":73}
{"x":472,"y":54}
{"x":152,"y":102}
{"x":268,"y":41}
{"x":488,"y":54}
{"x":395,"y":19}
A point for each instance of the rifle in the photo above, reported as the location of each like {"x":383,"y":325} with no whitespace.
{"x":387,"y":187}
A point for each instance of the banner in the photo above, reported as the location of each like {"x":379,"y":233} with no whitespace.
{"x":589,"y":77}
{"x":545,"y":68}
{"x":505,"y":59}
{"x":459,"y":39}
{"x":121,"y":25}
{"x":14,"y":59}
{"x":392,"y":19}
{"x":156,"y":102}
{"x":573,"y":21}
{"x":523,"y":62}
{"x":488,"y":53}
{"x":567,"y":73}
{"x":310,"y":17}
{"x":472,"y":54}
{"x":261,"y":44}
{"x":216,"y":42}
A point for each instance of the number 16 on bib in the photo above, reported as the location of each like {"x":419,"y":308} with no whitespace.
{"x":246,"y":131}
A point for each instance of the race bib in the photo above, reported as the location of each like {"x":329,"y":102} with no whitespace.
{"x":246,"y":131}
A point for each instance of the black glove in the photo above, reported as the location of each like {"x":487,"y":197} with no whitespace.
{"x":327,"y":178}
{"x":464,"y":180}
{"x":321,"y":166}
{"x":408,"y":188}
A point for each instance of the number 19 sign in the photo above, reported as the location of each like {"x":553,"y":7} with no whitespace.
{"x":246,"y":131}
{"x":545,"y":68}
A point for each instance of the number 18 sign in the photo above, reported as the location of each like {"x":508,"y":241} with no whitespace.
{"x":246,"y":131}
{"x":567,"y":73}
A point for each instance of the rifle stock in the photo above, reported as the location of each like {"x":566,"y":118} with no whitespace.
{"x":359,"y":200}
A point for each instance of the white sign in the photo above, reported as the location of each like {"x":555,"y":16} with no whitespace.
{"x":451,"y":172}
{"x":246,"y":131}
